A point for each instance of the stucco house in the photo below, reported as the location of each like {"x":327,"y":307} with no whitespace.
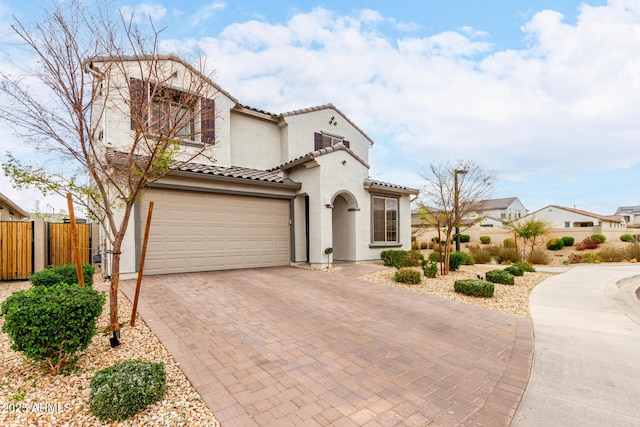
{"x":9,"y":211}
{"x":630,"y":214}
{"x":282,"y":188}
{"x":498,"y":212}
{"x":563,"y":217}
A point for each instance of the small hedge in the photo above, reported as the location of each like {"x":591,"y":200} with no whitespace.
{"x":568,"y":240}
{"x":485,"y":240}
{"x":515,"y":270}
{"x":456,"y":259}
{"x":525,"y":266}
{"x":126,"y":388}
{"x":508,"y":243}
{"x":408,"y":276}
{"x":627,"y":238}
{"x":430,"y":268}
{"x":401,"y":258}
{"x":599,"y":236}
{"x":500,"y":276}
{"x":472,"y":287}
{"x":464,"y":238}
{"x":66,"y":273}
{"x":555,"y":244}
{"x":51,"y":323}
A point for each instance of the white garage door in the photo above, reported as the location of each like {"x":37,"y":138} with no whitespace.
{"x":196,"y":231}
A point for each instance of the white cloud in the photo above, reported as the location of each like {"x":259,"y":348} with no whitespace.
{"x":206,"y":12}
{"x":143,"y":12}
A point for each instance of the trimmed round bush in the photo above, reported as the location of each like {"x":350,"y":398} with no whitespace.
{"x":435,"y":239}
{"x":568,"y":240}
{"x":465,"y":238}
{"x":599,"y":236}
{"x":456,"y":259}
{"x":424,"y":245}
{"x":51,"y":323}
{"x":515,"y":270}
{"x":508,"y":243}
{"x":500,"y":276}
{"x":408,"y":276}
{"x":401,"y":258}
{"x":126,"y":388}
{"x":479,"y":288}
{"x":485,"y":240}
{"x":627,"y":238}
{"x":65,"y":273}
{"x":555,"y":244}
{"x":525,"y":266}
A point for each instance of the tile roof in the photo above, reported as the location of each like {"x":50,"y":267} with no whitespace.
{"x":491,"y":204}
{"x":372,"y":183}
{"x":609,"y":218}
{"x":314,"y":154}
{"x":234,"y":172}
{"x":628,"y":209}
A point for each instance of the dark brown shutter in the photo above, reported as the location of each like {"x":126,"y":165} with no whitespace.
{"x":346,"y":143}
{"x":208,"y":121}
{"x":138,"y":96}
{"x":317,"y":141}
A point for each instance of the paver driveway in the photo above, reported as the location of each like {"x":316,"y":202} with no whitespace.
{"x":289,"y":346}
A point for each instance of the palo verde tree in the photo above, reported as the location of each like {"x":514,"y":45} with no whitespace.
{"x":91,"y":66}
{"x":529,"y":229}
{"x":452,"y":192}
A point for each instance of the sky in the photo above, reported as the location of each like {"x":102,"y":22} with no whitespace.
{"x":545,"y":93}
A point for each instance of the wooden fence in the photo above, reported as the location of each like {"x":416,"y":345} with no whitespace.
{"x":16,"y":250}
{"x":61,"y":247}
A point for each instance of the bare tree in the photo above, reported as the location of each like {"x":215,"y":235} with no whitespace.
{"x":90,"y":61}
{"x":450,"y":196}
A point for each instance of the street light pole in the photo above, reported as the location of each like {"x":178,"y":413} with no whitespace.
{"x":455,"y":204}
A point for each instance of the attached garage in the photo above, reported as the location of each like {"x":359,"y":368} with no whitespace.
{"x":203,"y":231}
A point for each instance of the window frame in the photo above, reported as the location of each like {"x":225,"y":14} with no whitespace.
{"x":168,"y":100}
{"x":387,"y":242}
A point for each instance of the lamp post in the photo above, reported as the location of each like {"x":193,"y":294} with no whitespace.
{"x":455,"y":204}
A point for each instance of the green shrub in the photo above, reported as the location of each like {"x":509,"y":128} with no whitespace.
{"x":464,"y":238}
{"x":430,"y":268}
{"x":472,"y":287}
{"x":424,"y":245}
{"x":538,"y":256}
{"x":504,"y":255}
{"x":65,"y":273}
{"x":555,"y":244}
{"x":599,"y":236}
{"x":126,"y":388}
{"x":525,"y":266}
{"x":485,"y":240}
{"x":568,"y":240}
{"x":508,"y":243}
{"x":435,"y":239}
{"x":515,"y":270}
{"x":590,"y":257}
{"x":407,"y":275}
{"x":401,"y":258}
{"x":456,"y":259}
{"x":500,"y":276}
{"x":51,"y":323}
{"x":481,"y":255}
{"x":627,"y":238}
{"x":608,"y":254}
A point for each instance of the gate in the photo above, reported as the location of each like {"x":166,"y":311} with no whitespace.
{"x":16,"y":250}
{"x":61,"y":246}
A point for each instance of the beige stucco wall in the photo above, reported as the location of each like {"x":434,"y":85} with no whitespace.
{"x":256,"y":142}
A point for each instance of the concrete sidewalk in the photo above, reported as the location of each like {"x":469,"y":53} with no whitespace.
{"x":587,"y":349}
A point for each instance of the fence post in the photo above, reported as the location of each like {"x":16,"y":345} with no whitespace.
{"x":74,"y":240}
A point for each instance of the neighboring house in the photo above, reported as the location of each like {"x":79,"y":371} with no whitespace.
{"x":9,"y":211}
{"x":563,"y":217}
{"x":499,"y":212}
{"x":283,"y":188}
{"x":630,"y":214}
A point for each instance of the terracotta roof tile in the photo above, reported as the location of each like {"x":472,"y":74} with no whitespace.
{"x":312,"y":155}
{"x":372,"y":183}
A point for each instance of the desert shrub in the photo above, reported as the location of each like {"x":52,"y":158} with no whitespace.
{"x":591,"y":243}
{"x":567,"y":240}
{"x":456,"y":259}
{"x":434,"y":256}
{"x":65,"y":273}
{"x":500,"y":276}
{"x":49,"y":324}
{"x":555,"y":244}
{"x":465,"y":258}
{"x":480,"y":288}
{"x":424,"y":245}
{"x":401,"y":258}
{"x":126,"y":388}
{"x":627,"y":238}
{"x":633,"y":252}
{"x":538,"y":256}
{"x":525,"y":266}
{"x":430,"y":268}
{"x":414,"y":246}
{"x":485,"y":240}
{"x":609,"y":254}
{"x":515,"y":270}
{"x":577,"y":258}
{"x":435,"y":239}
{"x":407,"y":275}
{"x":505,"y":255}
{"x":599,"y":236}
{"x":480,"y":255}
{"x":465,"y":238}
{"x":591,"y":257}
{"x":508,"y":243}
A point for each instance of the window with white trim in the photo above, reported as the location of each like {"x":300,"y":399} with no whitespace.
{"x":385,"y":219}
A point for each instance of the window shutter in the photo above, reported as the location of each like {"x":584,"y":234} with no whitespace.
{"x":208,"y":122}
{"x":346,"y":143}
{"x":139,"y":108}
{"x":317,"y":141}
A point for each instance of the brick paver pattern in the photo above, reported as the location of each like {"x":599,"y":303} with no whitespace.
{"x":287,"y":346}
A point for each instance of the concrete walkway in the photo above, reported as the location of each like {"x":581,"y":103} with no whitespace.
{"x":586,"y":368}
{"x":287,"y":346}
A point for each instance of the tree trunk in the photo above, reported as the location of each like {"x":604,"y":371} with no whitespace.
{"x":114,"y":324}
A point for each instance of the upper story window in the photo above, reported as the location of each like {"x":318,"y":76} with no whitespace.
{"x":325,"y":140}
{"x":163,"y":112}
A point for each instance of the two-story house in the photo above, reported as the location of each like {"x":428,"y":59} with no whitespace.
{"x":280,"y":189}
{"x":498,"y":212}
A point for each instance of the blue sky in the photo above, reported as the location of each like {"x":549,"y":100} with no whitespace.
{"x":546,"y":93}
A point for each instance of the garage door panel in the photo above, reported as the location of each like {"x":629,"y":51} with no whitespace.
{"x":193,"y":231}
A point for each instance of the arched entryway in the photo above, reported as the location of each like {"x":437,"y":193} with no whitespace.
{"x":344,"y":226}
